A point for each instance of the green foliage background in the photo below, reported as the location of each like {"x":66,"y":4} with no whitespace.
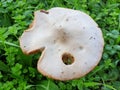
{"x":18,"y":71}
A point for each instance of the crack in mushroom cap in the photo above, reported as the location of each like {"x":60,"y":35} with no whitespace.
{"x":59,"y":31}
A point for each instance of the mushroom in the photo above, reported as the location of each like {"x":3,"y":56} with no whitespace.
{"x":70,"y":41}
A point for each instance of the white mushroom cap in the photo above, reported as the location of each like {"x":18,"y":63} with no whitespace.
{"x":63,"y":34}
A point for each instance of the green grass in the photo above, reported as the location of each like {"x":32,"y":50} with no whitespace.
{"x":18,"y":71}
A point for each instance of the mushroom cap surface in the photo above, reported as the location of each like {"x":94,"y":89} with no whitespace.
{"x":62,"y":34}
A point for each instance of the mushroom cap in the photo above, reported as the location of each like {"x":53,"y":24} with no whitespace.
{"x":63,"y":34}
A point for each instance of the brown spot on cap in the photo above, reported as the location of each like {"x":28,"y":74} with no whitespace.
{"x":43,"y":11}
